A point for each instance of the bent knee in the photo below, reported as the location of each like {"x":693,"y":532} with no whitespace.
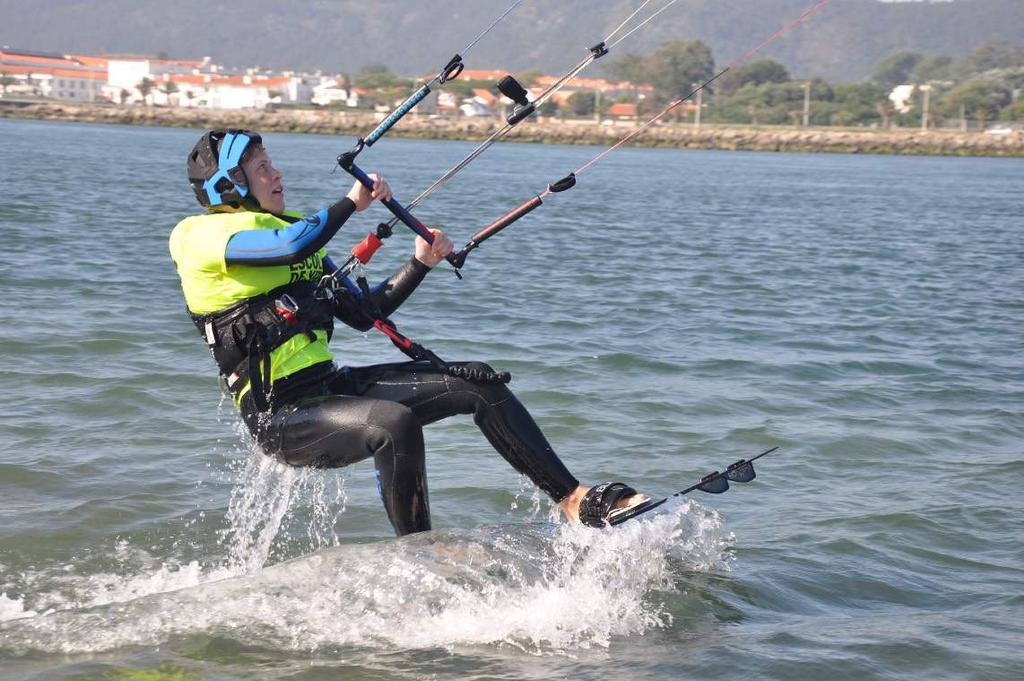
{"x":481,"y":367}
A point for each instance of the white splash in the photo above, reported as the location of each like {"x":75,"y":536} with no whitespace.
{"x":527,"y":497}
{"x":537,"y":587}
{"x":267,"y":494}
{"x":13,"y":609}
{"x":106,"y":588}
{"x":256,"y":508}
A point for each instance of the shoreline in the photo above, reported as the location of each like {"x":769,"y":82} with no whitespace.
{"x":901,"y":141}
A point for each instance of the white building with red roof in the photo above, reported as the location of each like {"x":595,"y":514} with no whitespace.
{"x":333,"y":91}
{"x":223,"y":91}
{"x":129,"y":79}
{"x":43,"y":74}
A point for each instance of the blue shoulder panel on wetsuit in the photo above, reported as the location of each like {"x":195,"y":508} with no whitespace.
{"x":253,"y":245}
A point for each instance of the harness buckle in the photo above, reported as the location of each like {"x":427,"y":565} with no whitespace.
{"x":287,"y":308}
{"x":209,"y":334}
{"x":325,"y":289}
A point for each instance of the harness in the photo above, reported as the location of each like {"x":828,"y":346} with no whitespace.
{"x":242,"y":336}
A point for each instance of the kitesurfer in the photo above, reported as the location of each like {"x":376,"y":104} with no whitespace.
{"x":251,"y":275}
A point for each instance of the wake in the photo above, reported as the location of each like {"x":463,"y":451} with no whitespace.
{"x":536,"y":586}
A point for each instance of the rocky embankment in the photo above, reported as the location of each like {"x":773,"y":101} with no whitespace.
{"x":771,"y":138}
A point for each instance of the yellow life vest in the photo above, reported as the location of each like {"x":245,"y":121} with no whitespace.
{"x":211,"y":287}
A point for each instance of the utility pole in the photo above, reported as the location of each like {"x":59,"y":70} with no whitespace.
{"x":700,"y":107}
{"x":597,"y":105}
{"x":807,"y":103}
{"x":927,"y":90}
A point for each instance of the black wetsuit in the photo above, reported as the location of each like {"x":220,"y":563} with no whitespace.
{"x":328,"y":417}
{"x":380,"y":411}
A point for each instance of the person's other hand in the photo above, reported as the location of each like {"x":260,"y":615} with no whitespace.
{"x":431,"y":254}
{"x":362,"y":197}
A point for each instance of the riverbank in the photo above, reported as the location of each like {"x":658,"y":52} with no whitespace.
{"x":548,"y":131}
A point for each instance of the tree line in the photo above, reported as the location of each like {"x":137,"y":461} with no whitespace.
{"x":972,"y":92}
{"x":979,"y":89}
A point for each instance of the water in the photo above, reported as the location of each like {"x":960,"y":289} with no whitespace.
{"x":676,"y":311}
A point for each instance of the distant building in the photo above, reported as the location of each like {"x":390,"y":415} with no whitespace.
{"x":483,"y":102}
{"x":298,"y":89}
{"x":137,"y":79}
{"x":602,"y":89}
{"x":447,"y":102}
{"x":480,"y":74}
{"x":622,"y":110}
{"x":220,"y":91}
{"x":43,"y":74}
{"x":78,"y":85}
{"x":609,"y":89}
{"x":470,"y":108}
{"x":127,"y":73}
{"x":130,"y":79}
{"x":330,"y":91}
{"x":485,"y":97}
{"x":124,"y":74}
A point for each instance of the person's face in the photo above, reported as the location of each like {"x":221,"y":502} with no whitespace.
{"x":265,"y":181}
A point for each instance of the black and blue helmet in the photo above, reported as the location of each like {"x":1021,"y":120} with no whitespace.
{"x":215,"y":170}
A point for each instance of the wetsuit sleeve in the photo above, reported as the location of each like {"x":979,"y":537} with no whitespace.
{"x":291,"y":244}
{"x":389,"y":294}
{"x":385,"y":297}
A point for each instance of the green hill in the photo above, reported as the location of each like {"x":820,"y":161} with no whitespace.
{"x":842,"y":42}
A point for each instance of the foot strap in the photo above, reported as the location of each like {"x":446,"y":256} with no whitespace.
{"x":598,"y":506}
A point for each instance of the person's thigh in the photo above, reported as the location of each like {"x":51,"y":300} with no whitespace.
{"x":431,"y":393}
{"x":338,"y":430}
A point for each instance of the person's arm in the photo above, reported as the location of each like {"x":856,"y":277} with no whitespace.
{"x":388,"y":295}
{"x":295,"y":243}
{"x":352,"y":308}
{"x":291,"y":244}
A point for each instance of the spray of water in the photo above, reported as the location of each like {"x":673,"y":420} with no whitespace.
{"x":13,"y":609}
{"x":536,"y":587}
{"x":256,"y":508}
{"x":528,"y":498}
{"x":267,"y":499}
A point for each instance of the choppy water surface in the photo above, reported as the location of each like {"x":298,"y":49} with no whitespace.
{"x":675,"y":312}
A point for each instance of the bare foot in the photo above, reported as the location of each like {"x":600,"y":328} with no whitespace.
{"x":571,"y":504}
